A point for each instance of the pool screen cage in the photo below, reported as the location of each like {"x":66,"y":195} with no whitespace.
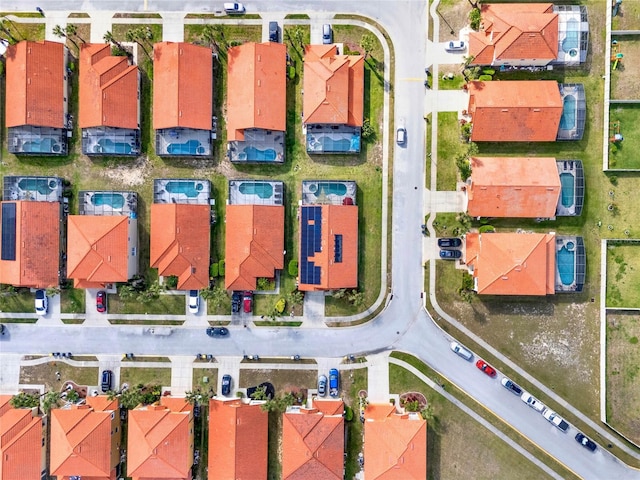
{"x":34,"y":140}
{"x":108,"y":198}
{"x":581,"y":264}
{"x":579,"y":187}
{"x":577,"y":90}
{"x":567,"y":12}
{"x":110,"y":141}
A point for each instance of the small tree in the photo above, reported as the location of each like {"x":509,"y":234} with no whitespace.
{"x":193,"y":397}
{"x":356,"y":298}
{"x":293,"y":268}
{"x":367,"y":132}
{"x":475,"y":19}
{"x":280,"y":306}
{"x":341,"y":293}
{"x":72,"y":396}
{"x":295,"y":35}
{"x":260,"y":393}
{"x":150,"y":294}
{"x":214,"y":296}
{"x":295,"y":297}
{"x":49,"y":401}
{"x":367,"y":43}
{"x":24,"y":400}
{"x":213,"y":270}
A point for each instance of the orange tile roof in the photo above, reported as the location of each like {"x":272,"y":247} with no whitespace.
{"x":254,"y":237}
{"x":515,"y":111}
{"x":515,"y":32}
{"x":395,"y":446}
{"x":512,"y":263}
{"x":180,"y":243}
{"x":337,"y":220}
{"x":20,"y":442}
{"x":256,"y":88}
{"x":333,"y":86}
{"x":182,"y":86}
{"x":513,"y":187}
{"x":108,"y":89}
{"x":238,"y":434}
{"x":312,"y":445}
{"x":37,"y":238}
{"x":160,"y":441}
{"x":81,"y":442}
{"x":97,"y":249}
{"x":35,"y":80}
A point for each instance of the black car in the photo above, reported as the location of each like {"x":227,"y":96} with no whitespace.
{"x":236,"y":302}
{"x":586,"y":442}
{"x":226,"y":385}
{"x":273,"y":32}
{"x":2,"y":328}
{"x":511,"y":386}
{"x":217,"y":331}
{"x":107,"y":380}
{"x":449,"y":242}
{"x":450,"y":254}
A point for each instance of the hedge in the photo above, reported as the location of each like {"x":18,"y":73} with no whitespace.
{"x":293,"y":268}
{"x":221,"y":267}
{"x":213,"y":270}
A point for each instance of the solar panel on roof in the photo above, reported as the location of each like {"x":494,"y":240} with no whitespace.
{"x":8,"y":231}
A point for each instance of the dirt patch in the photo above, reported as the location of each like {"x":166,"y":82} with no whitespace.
{"x":624,"y":85}
{"x":453,"y":18}
{"x":283,"y":380}
{"x":130,"y":174}
{"x":45,"y":374}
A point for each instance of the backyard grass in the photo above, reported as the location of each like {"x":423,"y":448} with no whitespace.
{"x":145,"y":376}
{"x":623,"y":274}
{"x":449,"y":148}
{"x":623,"y":79}
{"x":352,"y":381}
{"x":45,"y":374}
{"x":623,"y":369}
{"x":625,"y":154}
{"x":628,"y":17}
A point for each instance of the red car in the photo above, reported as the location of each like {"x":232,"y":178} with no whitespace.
{"x":247,"y":300}
{"x":486,"y":368}
{"x":101,"y":301}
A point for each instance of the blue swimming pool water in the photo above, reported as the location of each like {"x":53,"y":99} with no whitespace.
{"x":192,"y":147}
{"x":568,"y":120}
{"x":40,"y":185}
{"x":255,"y":155}
{"x":567,"y":181}
{"x":190,"y":189}
{"x":331,"y":189}
{"x":565,"y":261}
{"x":570,"y":42}
{"x":46,"y":145}
{"x":117,"y":148}
{"x":114,"y":200}
{"x":261,"y":189}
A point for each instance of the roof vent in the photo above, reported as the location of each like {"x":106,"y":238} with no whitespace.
{"x":504,"y":110}
{"x":259,"y":58}
{"x":536,"y":109}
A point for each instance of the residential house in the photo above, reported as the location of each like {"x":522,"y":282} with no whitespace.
{"x":328,"y":236}
{"x":32,"y":229}
{"x":183,"y":99}
{"x":526,"y":111}
{"x":102,"y":242}
{"x":254,"y":232}
{"x":256,"y":102}
{"x":109,"y":113}
{"x":85,"y":440}
{"x":181,"y":231}
{"x":395,"y":444}
{"x":333,"y":100}
{"x":238,"y":434}
{"x":530,"y":34}
{"x":160,"y":441}
{"x":36,"y":103}
{"x":22,"y":442}
{"x":313,"y":441}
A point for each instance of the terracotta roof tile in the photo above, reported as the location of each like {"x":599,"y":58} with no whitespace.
{"x":395,"y":446}
{"x":108,"y":89}
{"x":180,"y":243}
{"x":513,"y":187}
{"x":20,"y":442}
{"x":333,"y":87}
{"x":37,"y":238}
{"x":238,"y":434}
{"x":512,"y":263}
{"x":254,"y":237}
{"x":256,"y":89}
{"x":337,"y":220}
{"x":515,"y":111}
{"x":97,"y":249}
{"x":182,"y":86}
{"x":36,"y":80}
{"x":160,"y":441}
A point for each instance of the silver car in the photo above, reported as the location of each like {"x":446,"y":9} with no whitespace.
{"x":322,"y":385}
{"x":461,"y":351}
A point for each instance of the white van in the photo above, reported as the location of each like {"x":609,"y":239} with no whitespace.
{"x":234,"y":8}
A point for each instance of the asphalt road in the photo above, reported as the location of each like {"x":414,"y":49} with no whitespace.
{"x":404,"y":324}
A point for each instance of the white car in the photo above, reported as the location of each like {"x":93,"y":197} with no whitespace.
{"x":532,"y":401}
{"x":461,"y":351}
{"x":194,"y":301}
{"x":42,"y":302}
{"x":556,"y":419}
{"x":234,"y":7}
{"x":456,"y":46}
{"x":401,"y":133}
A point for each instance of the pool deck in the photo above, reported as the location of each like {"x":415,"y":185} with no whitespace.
{"x":18,"y":137}
{"x":577,"y":130}
{"x":169,"y":136}
{"x":560,"y":287}
{"x":337,"y":133}
{"x":310,"y":194}
{"x":93,"y":137}
{"x":12,"y":190}
{"x":161,"y":195}
{"x":260,"y":140}
{"x":86,"y":206}
{"x":236,"y":197}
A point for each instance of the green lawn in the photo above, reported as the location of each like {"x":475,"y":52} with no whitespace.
{"x":623,"y":275}
{"x":165,"y":304}
{"x":353,"y":381}
{"x":72,"y":300}
{"x":22,"y":31}
{"x":20,"y":300}
{"x":157,"y":376}
{"x":449,"y":148}
{"x":628,"y":18}
{"x":625,"y":154}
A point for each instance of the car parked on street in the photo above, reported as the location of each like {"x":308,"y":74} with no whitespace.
{"x":532,"y":401}
{"x":486,"y":368}
{"x":234,"y":8}
{"x":194,"y":301}
{"x":555,"y":419}
{"x":106,"y":380}
{"x":587,"y":443}
{"x":247,"y":301}
{"x":101,"y":301}
{"x":334,"y":382}
{"x":322,"y":385}
{"x":42,"y":302}
{"x":226,"y":385}
{"x":511,"y":386}
{"x":461,"y":351}
{"x":456,"y":46}
{"x":450,"y":254}
{"x":449,"y":242}
{"x":273,"y":32}
{"x":217,"y":331}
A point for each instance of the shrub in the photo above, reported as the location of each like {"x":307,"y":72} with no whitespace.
{"x":613,"y":179}
{"x":213,"y":270}
{"x":368,"y":133}
{"x":293,"y":268}
{"x":486,"y":229}
{"x":348,"y":413}
{"x":485,"y":78}
{"x":171,"y":282}
{"x":292,"y":72}
{"x":280,"y":305}
{"x":474,"y":19}
{"x":489,"y":71}
{"x":221,"y":267}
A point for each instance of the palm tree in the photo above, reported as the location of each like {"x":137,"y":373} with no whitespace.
{"x":6,"y":28}
{"x":71,"y":29}
{"x":60,"y":32}
{"x":109,"y":38}
{"x":137,"y":35}
{"x":209,"y":35}
{"x":50,"y":401}
{"x":214,"y":296}
{"x":193,"y":397}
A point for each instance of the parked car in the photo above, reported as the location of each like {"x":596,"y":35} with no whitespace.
{"x":42,"y":302}
{"x":234,"y":7}
{"x":247,"y":301}
{"x":401,"y":132}
{"x":334,"y":382}
{"x":327,"y":34}
{"x":587,"y":443}
{"x":456,"y":46}
{"x":449,"y":242}
{"x":236,"y":302}
{"x":556,"y":419}
{"x":194,"y":301}
{"x":2,"y":329}
{"x":532,"y":401}
{"x":217,"y":331}
{"x":322,"y":385}
{"x":106,"y":380}
{"x":450,"y":254}
{"x":101,"y":301}
{"x":486,"y":368}
{"x":273,"y":32}
{"x":461,"y":351}
{"x":511,"y":386}
{"x":226,"y":385}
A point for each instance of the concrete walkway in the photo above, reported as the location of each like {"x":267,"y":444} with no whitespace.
{"x":378,"y":378}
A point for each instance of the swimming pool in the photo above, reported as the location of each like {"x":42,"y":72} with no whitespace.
{"x":40,"y":185}
{"x":261,"y":189}
{"x":329,"y":189}
{"x":114,"y":200}
{"x":192,"y":147}
{"x":568,"y":120}
{"x":566,"y":260}
{"x":190,"y":189}
{"x":46,"y":145}
{"x":567,"y":181}
{"x":108,"y":146}
{"x":252,"y":154}
{"x":570,"y":42}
